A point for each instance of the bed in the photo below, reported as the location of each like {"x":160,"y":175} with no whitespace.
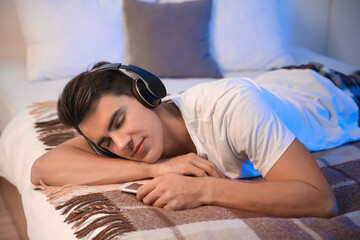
{"x":103,"y":212}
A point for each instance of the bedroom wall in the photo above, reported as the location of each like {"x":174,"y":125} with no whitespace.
{"x":329,"y":27}
{"x":306,"y":22}
{"x":344,"y":31}
{"x":12,"y":43}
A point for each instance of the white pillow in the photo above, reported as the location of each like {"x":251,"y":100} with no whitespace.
{"x":248,"y":35}
{"x":64,"y":38}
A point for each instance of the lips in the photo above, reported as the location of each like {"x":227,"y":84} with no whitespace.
{"x":138,"y":149}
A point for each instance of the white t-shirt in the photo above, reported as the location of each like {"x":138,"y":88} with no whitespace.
{"x":239,"y":119}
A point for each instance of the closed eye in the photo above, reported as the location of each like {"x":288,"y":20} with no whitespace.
{"x":116,"y":121}
{"x":120,"y":122}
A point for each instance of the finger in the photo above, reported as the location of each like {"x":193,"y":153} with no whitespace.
{"x":151,"y":198}
{"x":194,"y":170}
{"x":208,"y":167}
{"x":160,"y":203}
{"x":221,"y":174}
{"x":217,"y":172}
{"x":145,"y":189}
{"x":171,"y":207}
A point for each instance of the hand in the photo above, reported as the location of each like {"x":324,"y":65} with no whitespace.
{"x":188,"y":164}
{"x":173,"y":192}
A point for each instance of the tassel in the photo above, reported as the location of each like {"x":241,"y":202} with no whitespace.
{"x":119,"y":224}
{"x":41,"y":107}
{"x":86,"y":213}
{"x":54,"y":193}
{"x":51,"y":131}
{"x":86,"y":206}
{"x":55,"y":139}
{"x":113,"y":230}
{"x":47,"y":123}
{"x":88,"y":198}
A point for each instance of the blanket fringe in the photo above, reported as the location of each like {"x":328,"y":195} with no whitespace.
{"x":95,"y":205}
{"x":43,"y":110}
{"x":56,"y":195}
{"x":51,"y":131}
{"x":78,"y":209}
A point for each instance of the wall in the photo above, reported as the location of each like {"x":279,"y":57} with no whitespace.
{"x":12,"y":43}
{"x":344,"y":31}
{"x":306,"y":22}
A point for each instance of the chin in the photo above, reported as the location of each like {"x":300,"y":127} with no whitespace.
{"x":152,"y":157}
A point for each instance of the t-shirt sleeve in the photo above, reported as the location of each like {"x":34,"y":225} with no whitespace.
{"x":251,"y":127}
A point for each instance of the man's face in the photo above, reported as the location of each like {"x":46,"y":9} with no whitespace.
{"x":125,"y":127}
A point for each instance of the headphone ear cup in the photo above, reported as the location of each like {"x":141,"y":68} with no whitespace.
{"x":143,"y":95}
{"x":147,"y":88}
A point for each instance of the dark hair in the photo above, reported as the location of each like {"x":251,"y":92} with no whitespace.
{"x":83,"y":91}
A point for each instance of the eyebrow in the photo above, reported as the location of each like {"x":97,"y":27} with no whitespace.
{"x":114,"y":117}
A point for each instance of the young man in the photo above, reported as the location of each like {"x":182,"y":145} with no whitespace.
{"x":210,"y":130}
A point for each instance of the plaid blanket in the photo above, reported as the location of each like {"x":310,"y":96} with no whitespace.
{"x":348,"y":83}
{"x":104,"y":212}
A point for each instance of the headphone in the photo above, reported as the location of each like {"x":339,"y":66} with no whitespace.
{"x":148,"y":90}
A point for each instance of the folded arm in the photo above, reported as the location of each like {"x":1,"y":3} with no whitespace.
{"x":294,"y":187}
{"x":74,"y":162}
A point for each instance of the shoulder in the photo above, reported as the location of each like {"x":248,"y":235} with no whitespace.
{"x":222,"y":85}
{"x":206,"y":98}
{"x":213,"y":91}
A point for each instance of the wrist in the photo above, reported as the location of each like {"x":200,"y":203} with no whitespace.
{"x":159,"y":168}
{"x":153,"y":170}
{"x":207,"y":190}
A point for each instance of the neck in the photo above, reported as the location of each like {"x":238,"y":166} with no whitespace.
{"x":176,"y":138}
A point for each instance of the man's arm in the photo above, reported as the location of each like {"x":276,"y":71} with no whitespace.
{"x":74,"y":162}
{"x":294,"y":187}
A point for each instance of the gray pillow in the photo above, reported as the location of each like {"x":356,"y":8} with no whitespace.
{"x":171,"y":39}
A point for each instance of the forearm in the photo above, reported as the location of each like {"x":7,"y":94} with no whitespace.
{"x":282,"y":198}
{"x":71,"y":165}
{"x":294,"y":187}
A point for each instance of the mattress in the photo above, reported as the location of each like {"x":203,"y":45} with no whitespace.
{"x":20,"y":147}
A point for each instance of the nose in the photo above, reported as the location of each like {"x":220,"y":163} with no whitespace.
{"x":122,"y":141}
